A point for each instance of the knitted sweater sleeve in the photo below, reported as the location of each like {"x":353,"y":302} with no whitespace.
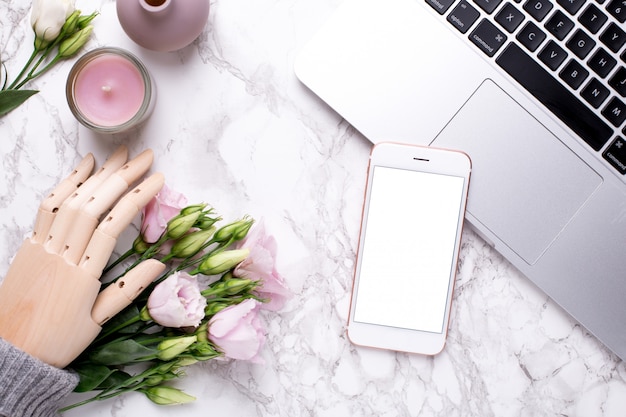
{"x":29,"y":387}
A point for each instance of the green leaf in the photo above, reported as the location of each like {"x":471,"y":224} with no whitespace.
{"x":91,"y":376}
{"x":10,"y":99}
{"x":125,"y":316}
{"x":116,"y":379}
{"x":121,"y":352}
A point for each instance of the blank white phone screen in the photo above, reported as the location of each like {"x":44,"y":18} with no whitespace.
{"x":407,"y":255}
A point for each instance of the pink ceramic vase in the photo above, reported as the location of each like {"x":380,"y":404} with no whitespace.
{"x":163,"y":25}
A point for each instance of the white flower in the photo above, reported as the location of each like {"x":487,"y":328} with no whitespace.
{"x":49,"y":16}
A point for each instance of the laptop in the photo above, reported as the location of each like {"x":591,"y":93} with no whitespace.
{"x":533,"y":91}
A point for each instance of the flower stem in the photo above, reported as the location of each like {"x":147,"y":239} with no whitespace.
{"x":21,"y":74}
{"x":149,"y":253}
{"x":105,"y":395}
{"x":122,"y":258}
{"x":117,"y":328}
{"x":32,"y":74}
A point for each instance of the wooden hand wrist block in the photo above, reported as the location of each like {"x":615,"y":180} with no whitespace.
{"x":38,"y":309}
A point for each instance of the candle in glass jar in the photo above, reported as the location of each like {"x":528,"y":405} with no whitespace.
{"x":110,"y":90}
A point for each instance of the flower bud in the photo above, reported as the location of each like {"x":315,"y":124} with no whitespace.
{"x":215,"y":307}
{"x":153,"y":380}
{"x":167,"y":396}
{"x":170,"y":348}
{"x":159,"y":379}
{"x":190,"y":244}
{"x":185,"y":361}
{"x":205,"y":222}
{"x":84,"y":20}
{"x":204,"y":351}
{"x":192,"y":209}
{"x":234,"y":231}
{"x":71,"y":45}
{"x":201,"y":333}
{"x":232,"y":286}
{"x":144,"y":314}
{"x":165,"y":367}
{"x":222,"y":261}
{"x":140,"y":245}
{"x":236,"y":285}
{"x":243,"y":230}
{"x":181,"y":224}
{"x":70,"y":25}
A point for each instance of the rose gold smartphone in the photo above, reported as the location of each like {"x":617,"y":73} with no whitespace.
{"x":408,"y":247}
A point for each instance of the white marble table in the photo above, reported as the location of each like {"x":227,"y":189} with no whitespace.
{"x":233,"y":127}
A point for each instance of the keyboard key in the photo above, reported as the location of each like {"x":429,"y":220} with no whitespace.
{"x":615,"y":154}
{"x":441,"y":6}
{"x":552,"y":55}
{"x":571,"y":6}
{"x":615,"y":112}
{"x":573,"y":74}
{"x":617,"y":8}
{"x":556,"y":97}
{"x":592,"y":18}
{"x":618,"y":81}
{"x":613,"y":37}
{"x":580,"y":44}
{"x":509,"y":17}
{"x":538,"y":9}
{"x":559,"y":25}
{"x":463,"y":16}
{"x":595,"y":93}
{"x":602,"y":62}
{"x":488,"y":5}
{"x":487,"y":37}
{"x":531,"y":36}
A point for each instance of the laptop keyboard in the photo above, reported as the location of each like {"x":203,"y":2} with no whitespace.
{"x":569,"y":54}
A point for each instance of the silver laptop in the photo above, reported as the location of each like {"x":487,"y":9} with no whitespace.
{"x":534,"y":92}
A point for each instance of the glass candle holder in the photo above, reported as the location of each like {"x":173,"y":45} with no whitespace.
{"x":109,"y":90}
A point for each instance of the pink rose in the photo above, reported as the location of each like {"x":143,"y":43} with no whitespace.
{"x":237,"y":331}
{"x":177,"y":302}
{"x":260,"y":266}
{"x":161,"y":209}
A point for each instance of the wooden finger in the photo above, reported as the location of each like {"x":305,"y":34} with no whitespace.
{"x":50,"y":205}
{"x":103,"y":240}
{"x":119,"y":295}
{"x":101,"y":200}
{"x":69,"y":210}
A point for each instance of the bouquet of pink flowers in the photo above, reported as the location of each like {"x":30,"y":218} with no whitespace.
{"x":205,"y":306}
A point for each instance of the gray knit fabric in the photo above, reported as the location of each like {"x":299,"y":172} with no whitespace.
{"x":29,"y":387}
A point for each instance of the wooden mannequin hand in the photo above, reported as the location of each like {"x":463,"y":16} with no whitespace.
{"x":50,"y":304}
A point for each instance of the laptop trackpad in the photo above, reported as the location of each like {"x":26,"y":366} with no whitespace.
{"x":526,"y":185}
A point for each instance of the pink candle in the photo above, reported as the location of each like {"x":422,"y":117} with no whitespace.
{"x":109,"y":90}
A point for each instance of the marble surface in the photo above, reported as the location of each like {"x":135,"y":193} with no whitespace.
{"x":233,"y":127}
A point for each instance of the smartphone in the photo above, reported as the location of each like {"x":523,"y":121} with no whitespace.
{"x":408,"y":249}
